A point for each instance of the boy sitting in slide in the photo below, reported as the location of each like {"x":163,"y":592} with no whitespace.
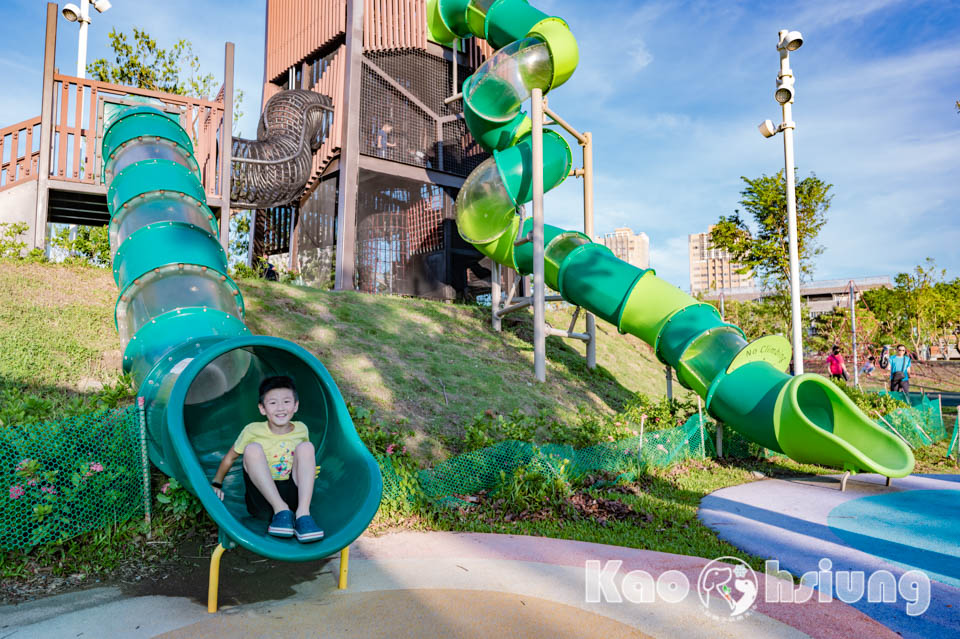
{"x":279,"y":464}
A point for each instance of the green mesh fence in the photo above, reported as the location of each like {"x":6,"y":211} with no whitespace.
{"x":478,"y":470}
{"x":921,"y":424}
{"x":469,"y":473}
{"x":61,"y":479}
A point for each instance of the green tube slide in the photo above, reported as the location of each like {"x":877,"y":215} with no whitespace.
{"x":805,"y":417}
{"x":195,"y":363}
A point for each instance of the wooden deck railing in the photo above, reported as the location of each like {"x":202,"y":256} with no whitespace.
{"x":18,"y":165}
{"x":77,"y":130}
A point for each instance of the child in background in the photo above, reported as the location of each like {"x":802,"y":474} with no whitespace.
{"x":838,"y":370}
{"x":279,"y":464}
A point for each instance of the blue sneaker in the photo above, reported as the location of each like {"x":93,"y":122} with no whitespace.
{"x":282,"y":524}
{"x":307,"y":530}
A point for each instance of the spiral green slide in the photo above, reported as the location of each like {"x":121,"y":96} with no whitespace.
{"x":744,"y":384}
{"x":195,"y":363}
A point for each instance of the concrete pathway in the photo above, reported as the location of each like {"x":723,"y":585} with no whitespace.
{"x":451,"y":585}
{"x":791,"y":521}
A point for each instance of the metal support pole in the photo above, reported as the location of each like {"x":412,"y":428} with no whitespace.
{"x":669,"y":372}
{"x":588,"y":231}
{"x":350,"y":154}
{"x":495,"y":297}
{"x":722,"y":310}
{"x":788,"y":126}
{"x":853,"y":332}
{"x":226,"y":147}
{"x":46,"y":129}
{"x":719,"y":439}
{"x":145,"y":463}
{"x":84,"y":20}
{"x":539,"y":334}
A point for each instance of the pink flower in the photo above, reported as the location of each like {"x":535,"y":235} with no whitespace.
{"x":610,"y":438}
{"x":32,"y":482}
{"x":165,"y":488}
{"x":404,"y":450}
{"x":49,"y":489}
{"x":16,"y":492}
{"x":96,"y":467}
{"x":390,"y":448}
{"x":660,"y":447}
{"x":23,"y":464}
{"x":635,"y":433}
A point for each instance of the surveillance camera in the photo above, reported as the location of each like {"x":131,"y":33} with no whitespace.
{"x":792,"y":41}
{"x":767,"y":129}
{"x":101,"y":5}
{"x":71,"y":12}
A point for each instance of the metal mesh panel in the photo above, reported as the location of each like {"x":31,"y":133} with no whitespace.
{"x":401,"y":236}
{"x":461,"y":152}
{"x":61,"y":479}
{"x":317,"y":233}
{"x":399,"y":92}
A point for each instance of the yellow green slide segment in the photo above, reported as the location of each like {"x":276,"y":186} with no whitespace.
{"x":195,"y":363}
{"x":805,"y":417}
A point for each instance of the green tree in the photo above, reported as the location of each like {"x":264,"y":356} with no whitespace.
{"x":765,"y":252}
{"x":140,"y":62}
{"x":921,"y":308}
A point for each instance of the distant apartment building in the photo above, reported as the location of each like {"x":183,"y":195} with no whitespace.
{"x":711,"y":268}
{"x":634,"y":249}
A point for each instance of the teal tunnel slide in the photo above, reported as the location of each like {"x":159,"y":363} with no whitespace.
{"x":744,"y":384}
{"x":195,"y":363}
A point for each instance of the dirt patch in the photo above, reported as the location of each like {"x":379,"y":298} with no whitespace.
{"x":244,"y":577}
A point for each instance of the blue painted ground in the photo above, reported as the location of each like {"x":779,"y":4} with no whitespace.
{"x":908,"y":525}
{"x":912,"y":529}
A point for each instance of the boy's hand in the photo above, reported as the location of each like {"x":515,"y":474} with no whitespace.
{"x":218,"y":492}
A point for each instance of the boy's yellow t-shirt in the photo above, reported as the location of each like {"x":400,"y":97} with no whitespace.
{"x":278,"y":448}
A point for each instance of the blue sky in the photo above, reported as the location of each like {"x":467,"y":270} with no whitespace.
{"x":673,"y":92}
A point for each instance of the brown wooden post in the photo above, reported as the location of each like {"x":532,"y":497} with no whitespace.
{"x":226,"y":146}
{"x":350,"y":149}
{"x":46,"y":129}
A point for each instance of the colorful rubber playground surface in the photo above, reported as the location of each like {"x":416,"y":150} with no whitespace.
{"x":442,"y":585}
{"x":871,"y":527}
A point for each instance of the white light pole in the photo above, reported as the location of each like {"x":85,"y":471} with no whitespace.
{"x":789,"y":41}
{"x":81,"y":14}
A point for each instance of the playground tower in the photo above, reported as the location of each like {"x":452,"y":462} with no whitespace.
{"x":379,"y":201}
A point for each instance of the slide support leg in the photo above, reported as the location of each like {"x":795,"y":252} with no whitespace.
{"x":344,"y":567}
{"x":214,"y":586}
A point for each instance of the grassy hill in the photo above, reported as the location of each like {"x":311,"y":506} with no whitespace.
{"x":431,"y":365}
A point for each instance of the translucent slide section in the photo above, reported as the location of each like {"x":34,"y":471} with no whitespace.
{"x":805,"y":417}
{"x":196,"y":365}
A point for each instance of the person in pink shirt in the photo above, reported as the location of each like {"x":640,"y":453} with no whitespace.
{"x":838,"y":370}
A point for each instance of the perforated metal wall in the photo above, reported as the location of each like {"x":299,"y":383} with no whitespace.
{"x":407,"y":242}
{"x":317,"y":233}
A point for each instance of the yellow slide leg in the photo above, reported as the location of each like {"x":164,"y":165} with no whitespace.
{"x":215,"y":578}
{"x":344,"y":566}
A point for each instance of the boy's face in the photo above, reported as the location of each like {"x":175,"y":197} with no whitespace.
{"x":279,"y":406}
